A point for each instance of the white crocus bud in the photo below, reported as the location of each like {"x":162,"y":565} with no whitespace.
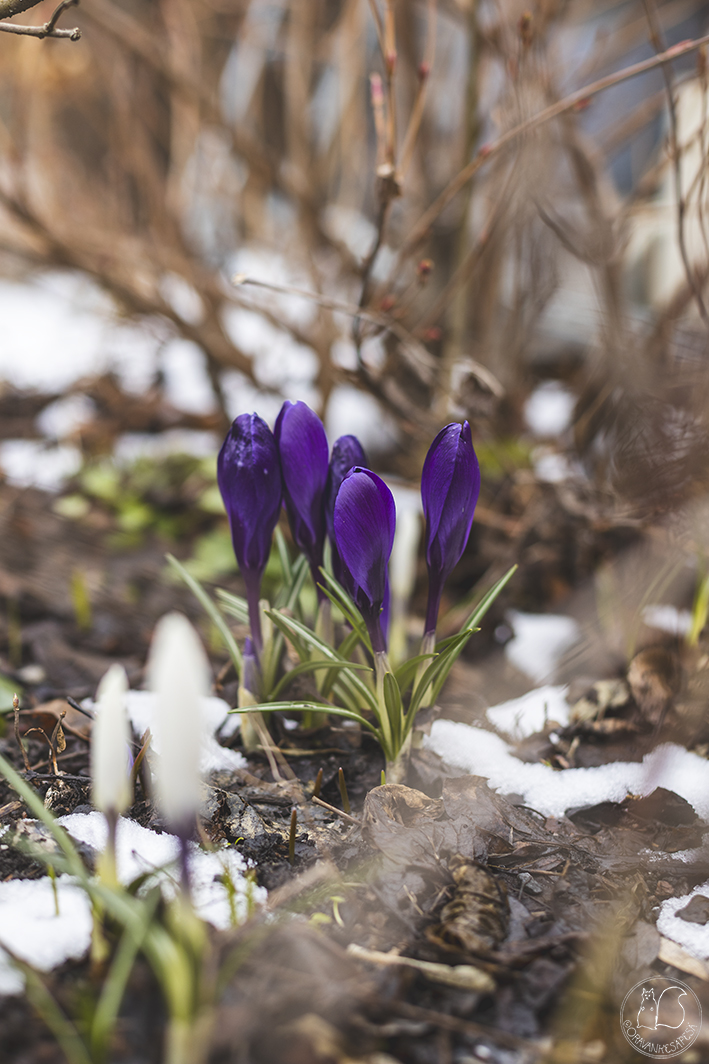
{"x":110,"y":736}
{"x":178,"y":674}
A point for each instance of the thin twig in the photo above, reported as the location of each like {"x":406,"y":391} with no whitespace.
{"x":424,"y":72}
{"x":10,"y":8}
{"x":658,"y":43}
{"x":378,"y":23}
{"x":79,"y":708}
{"x":388,"y":182}
{"x":569,"y":103}
{"x":465,"y":268}
{"x":333,"y":809}
{"x":48,"y":29}
{"x":40,"y":31}
{"x":424,"y":362}
{"x":16,"y":709}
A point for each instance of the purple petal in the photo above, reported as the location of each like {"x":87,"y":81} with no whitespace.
{"x":364,"y":522}
{"x":347,"y":452}
{"x":302,"y":445}
{"x":249,"y":478}
{"x":450,"y":485}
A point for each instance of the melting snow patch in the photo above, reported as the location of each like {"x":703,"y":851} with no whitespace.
{"x":668,"y":619}
{"x":524,"y":716}
{"x":539,"y":642}
{"x":549,"y":409}
{"x":141,"y":710}
{"x":551,"y":466}
{"x":552,"y":792}
{"x":32,"y":464}
{"x":693,"y":937}
{"x":139,"y":850}
{"x":32,"y":928}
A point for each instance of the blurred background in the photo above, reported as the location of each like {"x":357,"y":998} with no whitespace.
{"x":208,"y":206}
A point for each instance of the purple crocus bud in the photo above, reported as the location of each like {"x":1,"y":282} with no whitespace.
{"x":346,"y":453}
{"x":364,"y":521}
{"x":450,"y":485}
{"x":249,"y":478}
{"x":302,"y":445}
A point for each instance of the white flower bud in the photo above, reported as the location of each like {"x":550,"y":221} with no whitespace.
{"x":178,"y":674}
{"x":110,"y":737}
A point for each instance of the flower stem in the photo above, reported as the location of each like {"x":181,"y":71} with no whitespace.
{"x":397,"y":769}
{"x":253,"y":591}
{"x":435,"y":590}
{"x":381,"y":663}
{"x":106,"y":864}
{"x":185,"y":864}
{"x":428,"y":646}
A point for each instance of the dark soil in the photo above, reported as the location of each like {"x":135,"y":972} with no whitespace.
{"x":555,"y":916}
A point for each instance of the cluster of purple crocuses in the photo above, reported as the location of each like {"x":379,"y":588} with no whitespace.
{"x":258,"y":470}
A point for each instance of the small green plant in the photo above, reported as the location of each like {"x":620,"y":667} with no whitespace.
{"x":344,"y":501}
{"x":175,"y":946}
{"x":137,"y":919}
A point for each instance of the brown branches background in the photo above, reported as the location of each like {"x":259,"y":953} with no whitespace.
{"x":435,"y":175}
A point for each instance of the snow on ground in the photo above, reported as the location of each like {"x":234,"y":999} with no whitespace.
{"x":693,"y":937}
{"x":46,"y":927}
{"x":217,"y":718}
{"x":551,"y":466}
{"x":59,"y":327}
{"x":524,"y":716}
{"x":29,"y":924}
{"x":539,"y":641}
{"x":32,"y":463}
{"x":551,"y":792}
{"x":549,"y":409}
{"x":668,"y":619}
{"x":139,"y":850}
{"x":31,"y":927}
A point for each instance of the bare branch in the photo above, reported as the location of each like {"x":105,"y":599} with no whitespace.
{"x":8,"y":8}
{"x":659,"y":45}
{"x":569,"y":103}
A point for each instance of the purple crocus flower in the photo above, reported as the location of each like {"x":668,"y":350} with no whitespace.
{"x":249,"y":478}
{"x":450,"y":485}
{"x":302,"y":445}
{"x":364,"y":522}
{"x":347,"y":452}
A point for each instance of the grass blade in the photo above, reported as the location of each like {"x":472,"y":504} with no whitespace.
{"x":313,"y":666}
{"x":234,"y":605}
{"x":310,"y":707}
{"x":212,"y":610}
{"x":302,"y":637}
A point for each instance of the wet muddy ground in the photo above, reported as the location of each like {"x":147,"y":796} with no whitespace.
{"x":435,"y":922}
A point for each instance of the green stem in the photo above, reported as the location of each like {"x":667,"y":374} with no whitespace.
{"x":397,"y":768}
{"x":428,"y":646}
{"x":381,"y":663}
{"x":325,"y":630}
{"x":187,"y":1040}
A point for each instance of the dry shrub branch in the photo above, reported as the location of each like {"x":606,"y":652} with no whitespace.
{"x":448,"y":173}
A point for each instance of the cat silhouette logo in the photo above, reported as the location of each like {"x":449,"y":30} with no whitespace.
{"x":660,"y":1017}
